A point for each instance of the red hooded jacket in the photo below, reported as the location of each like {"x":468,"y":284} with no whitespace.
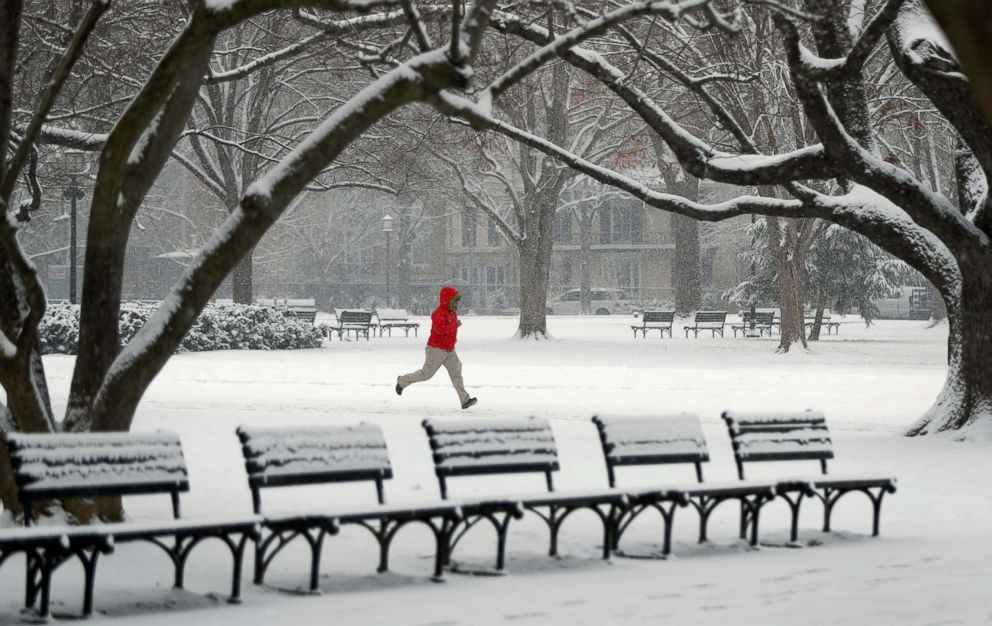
{"x":444,"y":322}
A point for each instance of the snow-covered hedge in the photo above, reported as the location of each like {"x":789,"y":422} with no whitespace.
{"x":227,"y":327}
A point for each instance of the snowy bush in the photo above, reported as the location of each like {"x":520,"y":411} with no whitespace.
{"x":228,"y":327}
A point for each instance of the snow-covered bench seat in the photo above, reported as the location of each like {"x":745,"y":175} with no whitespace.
{"x":655,"y":320}
{"x":358,"y":321}
{"x":467,"y":447}
{"x":713,"y":321}
{"x":763,"y":321}
{"x":64,"y":466}
{"x":388,"y":319}
{"x":674,"y":439}
{"x":801,"y":436}
{"x":283,"y":457}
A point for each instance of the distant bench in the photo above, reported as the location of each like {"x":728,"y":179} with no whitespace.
{"x":655,"y":320}
{"x":61,"y":466}
{"x":713,"y":321}
{"x":396,"y":318}
{"x":356,"y":321}
{"x":763,"y":321}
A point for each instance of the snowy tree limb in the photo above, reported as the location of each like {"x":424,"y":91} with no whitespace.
{"x":49,"y":95}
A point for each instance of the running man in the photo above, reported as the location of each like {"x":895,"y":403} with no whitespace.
{"x":441,"y":348}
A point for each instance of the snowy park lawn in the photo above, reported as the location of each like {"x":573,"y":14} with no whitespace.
{"x":932,"y":563}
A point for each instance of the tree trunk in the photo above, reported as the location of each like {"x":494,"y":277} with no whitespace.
{"x":966,"y":400}
{"x":535,"y":264}
{"x":790,"y":278}
{"x":968,"y":24}
{"x":814,"y":332}
{"x":99,"y":321}
{"x":242,"y":279}
{"x":585,"y":261}
{"x":688,"y":274}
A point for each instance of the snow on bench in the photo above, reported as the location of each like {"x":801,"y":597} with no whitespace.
{"x":294,"y":456}
{"x":651,"y":440}
{"x":671,"y":439}
{"x":487,"y":446}
{"x":89,"y":464}
{"x":777,"y":436}
{"x":800,"y":436}
{"x":60,"y":466}
{"x":281,"y":457}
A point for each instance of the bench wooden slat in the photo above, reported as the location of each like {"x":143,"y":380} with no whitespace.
{"x":778,"y":436}
{"x":492,"y":446}
{"x":298,"y":456}
{"x":652,"y":440}
{"x":85,"y":464}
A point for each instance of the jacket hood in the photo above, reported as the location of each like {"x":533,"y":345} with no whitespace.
{"x":447,"y":293}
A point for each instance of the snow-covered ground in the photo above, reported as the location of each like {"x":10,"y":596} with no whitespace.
{"x":931,"y":565}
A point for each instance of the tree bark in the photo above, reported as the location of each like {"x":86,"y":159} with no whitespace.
{"x":585,"y":260}
{"x":242,"y":278}
{"x":968,"y":24}
{"x":967,"y":395}
{"x":535,"y":266}
{"x":790,"y":279}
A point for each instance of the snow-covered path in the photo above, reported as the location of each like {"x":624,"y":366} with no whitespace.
{"x":931,"y":565}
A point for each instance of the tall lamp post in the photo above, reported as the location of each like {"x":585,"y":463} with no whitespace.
{"x":74,"y":162}
{"x":387,"y":227}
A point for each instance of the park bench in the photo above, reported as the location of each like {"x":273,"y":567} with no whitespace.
{"x":286,"y":457}
{"x":61,"y":466}
{"x":474,"y":447}
{"x":763,"y":321}
{"x":356,"y":321}
{"x":712,"y":321}
{"x":667,"y":440}
{"x":809,"y":320}
{"x":655,"y":320}
{"x":759,"y":437}
{"x":396,"y":318}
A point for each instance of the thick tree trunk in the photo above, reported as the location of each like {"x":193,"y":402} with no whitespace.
{"x":790,"y":278}
{"x":535,"y":264}
{"x":966,"y":400}
{"x":99,"y":315}
{"x":242,"y":279}
{"x":688,"y":274}
{"x":535,"y":270}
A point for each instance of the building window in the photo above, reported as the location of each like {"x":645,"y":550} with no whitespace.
{"x":495,"y":238}
{"x":468,"y":228}
{"x":563,"y":227}
{"x":621,"y":224}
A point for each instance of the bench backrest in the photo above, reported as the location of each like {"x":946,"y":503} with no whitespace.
{"x":464,"y":447}
{"x":58,"y":466}
{"x":660,"y":440}
{"x":392,"y":315}
{"x":716,"y":318}
{"x":761,"y":318}
{"x":658,"y":317}
{"x":363,"y":318}
{"x":771,"y":436}
{"x":283,"y":457}
{"x":308,"y":315}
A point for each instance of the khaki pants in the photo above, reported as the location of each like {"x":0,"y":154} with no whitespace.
{"x":436,"y":357}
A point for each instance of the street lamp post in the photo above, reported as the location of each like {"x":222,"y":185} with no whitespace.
{"x":73,"y":193}
{"x":387,"y":227}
